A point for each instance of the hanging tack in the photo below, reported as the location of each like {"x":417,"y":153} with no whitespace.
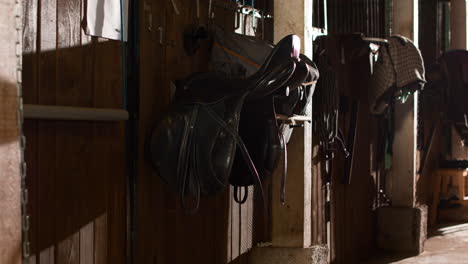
{"x":198,"y":9}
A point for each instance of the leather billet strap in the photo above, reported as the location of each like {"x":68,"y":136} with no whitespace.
{"x":285,"y":154}
{"x":182,"y":163}
{"x":184,"y":170}
{"x":285,"y":169}
{"x":240,"y":144}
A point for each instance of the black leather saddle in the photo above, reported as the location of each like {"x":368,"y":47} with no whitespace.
{"x":193,"y":146}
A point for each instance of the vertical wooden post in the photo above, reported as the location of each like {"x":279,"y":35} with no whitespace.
{"x":405,"y":19}
{"x":403,"y":175}
{"x":458,"y":26}
{"x":288,"y":19}
{"x":10,"y":155}
{"x":402,"y":227}
{"x":291,"y":223}
{"x":403,"y":178}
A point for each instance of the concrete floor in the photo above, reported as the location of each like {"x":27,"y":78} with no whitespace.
{"x":447,"y":245}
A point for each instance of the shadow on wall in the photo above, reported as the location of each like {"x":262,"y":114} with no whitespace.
{"x":76,"y":169}
{"x":10,"y":251}
{"x":8,"y":113}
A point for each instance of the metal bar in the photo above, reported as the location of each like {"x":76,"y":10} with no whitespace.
{"x":376,"y":40}
{"x":73,"y":113}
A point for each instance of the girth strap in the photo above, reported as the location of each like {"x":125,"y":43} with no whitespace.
{"x":186,"y":162}
{"x":240,"y":144}
{"x":285,"y":154}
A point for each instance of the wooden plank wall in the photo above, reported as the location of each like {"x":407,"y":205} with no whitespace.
{"x":352,"y":211}
{"x":10,"y":155}
{"x":353,"y":222}
{"x":351,"y":233}
{"x":221,"y":231}
{"x":76,"y":170}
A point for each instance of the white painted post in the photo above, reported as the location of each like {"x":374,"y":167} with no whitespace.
{"x":291,"y":223}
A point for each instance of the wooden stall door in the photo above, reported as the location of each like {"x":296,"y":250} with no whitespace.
{"x":76,"y":169}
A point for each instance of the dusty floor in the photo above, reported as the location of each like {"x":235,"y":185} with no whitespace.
{"x":447,"y":245}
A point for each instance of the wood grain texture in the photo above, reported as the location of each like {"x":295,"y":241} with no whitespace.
{"x":291,"y":222}
{"x":352,"y":214}
{"x":71,"y":136}
{"x":30,"y":94}
{"x":46,"y":145}
{"x":87,"y":244}
{"x":319,"y":233}
{"x":154,"y":212}
{"x":30,"y":131}
{"x":10,"y":219}
{"x":73,"y":161}
{"x":100,"y":240}
{"x":68,"y":250}
{"x":47,"y":256}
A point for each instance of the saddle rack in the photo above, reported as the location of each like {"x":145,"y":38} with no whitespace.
{"x":293,"y":120}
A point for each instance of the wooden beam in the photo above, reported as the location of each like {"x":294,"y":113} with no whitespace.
{"x":10,"y":152}
{"x":73,"y":113}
